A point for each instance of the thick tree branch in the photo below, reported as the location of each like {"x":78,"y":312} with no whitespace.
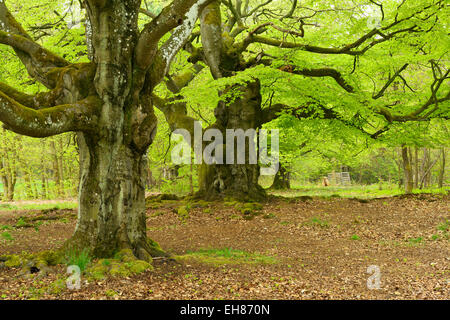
{"x":315,"y":73}
{"x":38,"y":101}
{"x":164,"y":56}
{"x":305,"y":112}
{"x":180,"y":15}
{"x":37,"y":60}
{"x":175,"y":113}
{"x":349,"y":49}
{"x":211,"y":35}
{"x":325,"y":72}
{"x":34,"y":50}
{"x":417,"y":115}
{"x":80,"y":116}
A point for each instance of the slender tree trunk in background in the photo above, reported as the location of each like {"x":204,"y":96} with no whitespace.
{"x":10,"y":190}
{"x":43,"y":168}
{"x":3,"y":179}
{"x":62,"y":192}
{"x":28,"y":184}
{"x":43,"y":186}
{"x":426,"y":178}
{"x":407,"y":169}
{"x":56,"y":169}
{"x":360,"y":179}
{"x":442,"y":170}
{"x":399,"y":162}
{"x":47,"y":187}
{"x":423,"y":168}
{"x":429,"y":173}
{"x":8,"y":170}
{"x":191,"y":179}
{"x":416,"y":167}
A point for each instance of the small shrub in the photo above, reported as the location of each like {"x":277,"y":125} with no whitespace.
{"x":81,"y":259}
{"x":355,"y":237}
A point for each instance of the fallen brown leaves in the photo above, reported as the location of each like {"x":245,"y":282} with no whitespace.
{"x":311,"y":240}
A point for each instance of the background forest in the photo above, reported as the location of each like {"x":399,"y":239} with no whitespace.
{"x":310,"y":148}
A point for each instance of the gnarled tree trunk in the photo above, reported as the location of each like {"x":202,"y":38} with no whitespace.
{"x":111,"y":198}
{"x":239,"y":181}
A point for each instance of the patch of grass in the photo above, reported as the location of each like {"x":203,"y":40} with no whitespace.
{"x":39,"y":206}
{"x":316,"y":221}
{"x":353,"y":191}
{"x":7,"y":236}
{"x":6,"y":206}
{"x":82,"y":259}
{"x":110,"y":293}
{"x":444,"y":228}
{"x":355,"y":237}
{"x":21,"y":223}
{"x":5,"y":228}
{"x":415,"y":241}
{"x":227,"y":256}
{"x":158,"y":213}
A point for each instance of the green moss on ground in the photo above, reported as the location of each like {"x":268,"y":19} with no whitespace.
{"x":183,"y":213}
{"x":124,"y":264}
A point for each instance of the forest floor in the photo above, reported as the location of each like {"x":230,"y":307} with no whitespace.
{"x":293,"y":248}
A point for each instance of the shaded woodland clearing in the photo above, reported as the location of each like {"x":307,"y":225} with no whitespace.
{"x":293,"y":248}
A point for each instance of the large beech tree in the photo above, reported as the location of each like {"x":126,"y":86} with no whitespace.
{"x":108,"y":103}
{"x":237,"y":36}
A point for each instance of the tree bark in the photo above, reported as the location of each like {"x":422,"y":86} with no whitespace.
{"x":111,"y":198}
{"x":407,"y":169}
{"x":416,"y":167}
{"x":239,"y":181}
{"x":442,"y":170}
{"x":281,"y":180}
